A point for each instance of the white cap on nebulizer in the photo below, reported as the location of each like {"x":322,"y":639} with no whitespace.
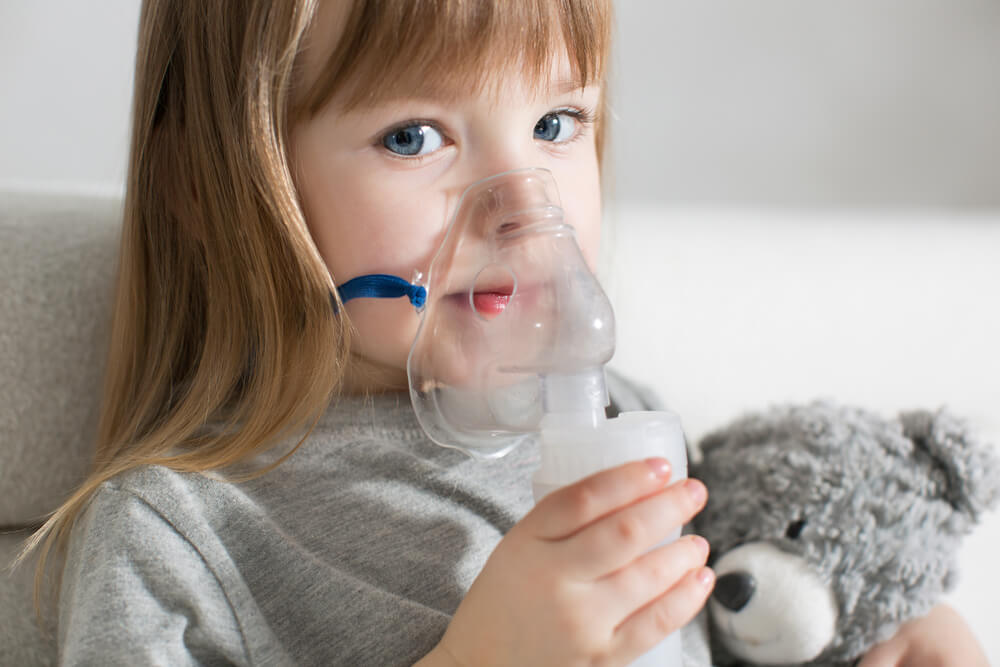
{"x":515,"y":325}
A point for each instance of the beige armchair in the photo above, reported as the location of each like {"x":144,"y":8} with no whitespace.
{"x":57,"y":264}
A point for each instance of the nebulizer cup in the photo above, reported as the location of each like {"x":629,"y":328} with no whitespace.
{"x":513,"y":339}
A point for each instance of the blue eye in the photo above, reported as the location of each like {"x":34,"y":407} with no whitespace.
{"x":413,"y":140}
{"x":556,"y":127}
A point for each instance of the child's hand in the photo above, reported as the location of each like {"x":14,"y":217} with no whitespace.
{"x":572,"y":583}
{"x":940,"y":639}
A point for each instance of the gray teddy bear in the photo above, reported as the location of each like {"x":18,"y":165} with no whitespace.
{"x":831,"y":526}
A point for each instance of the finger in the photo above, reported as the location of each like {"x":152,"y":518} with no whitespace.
{"x":653,"y":574}
{"x":889,"y":653}
{"x":671,"y":611}
{"x":565,"y":511}
{"x":617,"y":539}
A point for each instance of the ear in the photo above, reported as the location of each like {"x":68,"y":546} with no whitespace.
{"x":971,"y":468}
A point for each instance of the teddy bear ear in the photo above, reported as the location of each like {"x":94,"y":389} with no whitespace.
{"x":971,"y":467}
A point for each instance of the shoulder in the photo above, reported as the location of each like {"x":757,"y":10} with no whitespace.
{"x":161,"y":487}
{"x":149,"y":495}
{"x":152,"y":511}
{"x":127,"y":554}
{"x":116,"y":507}
{"x":150,"y":521}
{"x":132,"y":514}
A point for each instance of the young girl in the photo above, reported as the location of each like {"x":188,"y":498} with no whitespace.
{"x":262,"y":492}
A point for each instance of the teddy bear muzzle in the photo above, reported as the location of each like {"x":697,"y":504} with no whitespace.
{"x":770,"y":607}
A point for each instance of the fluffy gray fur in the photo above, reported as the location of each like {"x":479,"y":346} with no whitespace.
{"x":885,"y":503}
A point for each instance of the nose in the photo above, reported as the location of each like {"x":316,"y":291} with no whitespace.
{"x":734,"y":590}
{"x":506,"y":201}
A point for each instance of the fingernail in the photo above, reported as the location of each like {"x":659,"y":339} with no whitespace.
{"x":660,"y":467}
{"x":697,"y":491}
{"x":701,"y":543}
{"x":706,"y":577}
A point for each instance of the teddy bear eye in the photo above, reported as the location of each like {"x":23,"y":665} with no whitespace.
{"x":795,"y":529}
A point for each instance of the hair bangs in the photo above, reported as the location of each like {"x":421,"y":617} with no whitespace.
{"x":386,"y":50}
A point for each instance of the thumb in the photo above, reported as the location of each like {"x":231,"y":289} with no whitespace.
{"x":889,"y":653}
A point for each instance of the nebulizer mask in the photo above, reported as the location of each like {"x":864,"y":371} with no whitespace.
{"x":515,"y":325}
{"x":514,"y":334}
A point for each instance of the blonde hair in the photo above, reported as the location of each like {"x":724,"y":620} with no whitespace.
{"x":223,"y":304}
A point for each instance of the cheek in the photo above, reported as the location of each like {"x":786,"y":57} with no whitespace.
{"x":361,"y":226}
{"x":581,"y":199}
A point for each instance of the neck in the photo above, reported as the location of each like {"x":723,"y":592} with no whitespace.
{"x":365,"y":377}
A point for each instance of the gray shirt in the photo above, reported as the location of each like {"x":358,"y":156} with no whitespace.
{"x":354,"y":551}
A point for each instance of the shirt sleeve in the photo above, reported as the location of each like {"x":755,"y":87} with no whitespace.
{"x":136,"y":591}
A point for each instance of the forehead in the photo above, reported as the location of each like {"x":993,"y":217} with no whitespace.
{"x":373,"y":51}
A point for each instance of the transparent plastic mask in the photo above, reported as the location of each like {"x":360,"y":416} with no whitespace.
{"x":515,"y":324}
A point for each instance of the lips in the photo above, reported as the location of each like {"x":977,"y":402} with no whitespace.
{"x":491,"y":303}
{"x":487,"y":301}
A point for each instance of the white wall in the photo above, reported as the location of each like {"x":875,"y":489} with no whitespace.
{"x":777,"y":102}
{"x":65,"y":91}
{"x":771,"y":102}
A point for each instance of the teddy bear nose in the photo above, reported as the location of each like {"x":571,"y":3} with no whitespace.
{"x":734,"y":590}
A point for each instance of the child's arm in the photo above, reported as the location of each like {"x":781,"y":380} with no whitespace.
{"x":940,"y":638}
{"x":572,"y":583}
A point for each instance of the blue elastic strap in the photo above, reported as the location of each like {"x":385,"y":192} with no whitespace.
{"x":382,"y":286}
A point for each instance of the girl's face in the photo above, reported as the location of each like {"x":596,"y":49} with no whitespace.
{"x":378,"y":184}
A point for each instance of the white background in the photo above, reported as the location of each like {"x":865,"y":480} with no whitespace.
{"x":65,"y":89}
{"x":801,"y":102}
{"x":772,"y":102}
